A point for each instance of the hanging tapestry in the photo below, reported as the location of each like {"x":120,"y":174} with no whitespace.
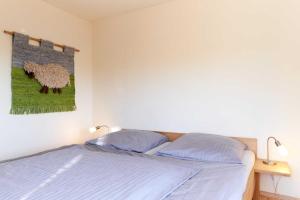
{"x":42,"y":77}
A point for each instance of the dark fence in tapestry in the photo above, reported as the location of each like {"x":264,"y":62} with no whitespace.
{"x":43,"y":54}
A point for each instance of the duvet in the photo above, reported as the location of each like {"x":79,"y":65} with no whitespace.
{"x":76,"y":173}
{"x":88,"y":172}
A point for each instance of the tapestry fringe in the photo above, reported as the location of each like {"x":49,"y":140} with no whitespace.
{"x":39,"y":109}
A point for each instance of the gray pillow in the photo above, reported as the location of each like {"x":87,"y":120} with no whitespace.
{"x":205,"y":147}
{"x":131,"y":140}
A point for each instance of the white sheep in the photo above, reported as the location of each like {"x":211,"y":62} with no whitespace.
{"x":49,"y":76}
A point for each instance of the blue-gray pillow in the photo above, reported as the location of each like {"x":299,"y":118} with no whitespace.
{"x":132,"y":140}
{"x":205,"y":147}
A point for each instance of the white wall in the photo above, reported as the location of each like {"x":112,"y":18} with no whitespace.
{"x":22,"y":135}
{"x":225,"y":67}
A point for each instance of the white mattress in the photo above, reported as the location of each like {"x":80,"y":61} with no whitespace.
{"x":248,"y":161}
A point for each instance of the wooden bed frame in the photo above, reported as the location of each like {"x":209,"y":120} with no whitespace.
{"x":252,"y":145}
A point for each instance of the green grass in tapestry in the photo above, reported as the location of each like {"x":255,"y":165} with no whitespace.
{"x":27,"y":99}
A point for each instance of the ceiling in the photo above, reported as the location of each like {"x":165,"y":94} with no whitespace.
{"x":95,"y":9}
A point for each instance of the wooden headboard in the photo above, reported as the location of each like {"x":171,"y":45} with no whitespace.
{"x":250,"y":142}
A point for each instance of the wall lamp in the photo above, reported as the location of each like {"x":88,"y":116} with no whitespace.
{"x":282,"y":150}
{"x":108,"y":129}
{"x":96,"y":128}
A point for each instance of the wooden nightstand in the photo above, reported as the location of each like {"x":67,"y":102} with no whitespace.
{"x":280,"y":169}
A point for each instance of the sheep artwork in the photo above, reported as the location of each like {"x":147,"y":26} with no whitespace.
{"x":51,"y":76}
{"x":42,"y":77}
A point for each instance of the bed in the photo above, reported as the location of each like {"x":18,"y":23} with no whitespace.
{"x":86,"y":172}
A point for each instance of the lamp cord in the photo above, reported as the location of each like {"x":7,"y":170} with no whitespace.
{"x":275,"y":183}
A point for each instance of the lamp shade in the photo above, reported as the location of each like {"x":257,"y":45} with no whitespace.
{"x":92,"y":129}
{"x":282,"y":150}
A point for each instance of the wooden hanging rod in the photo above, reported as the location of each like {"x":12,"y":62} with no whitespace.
{"x":39,"y":40}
